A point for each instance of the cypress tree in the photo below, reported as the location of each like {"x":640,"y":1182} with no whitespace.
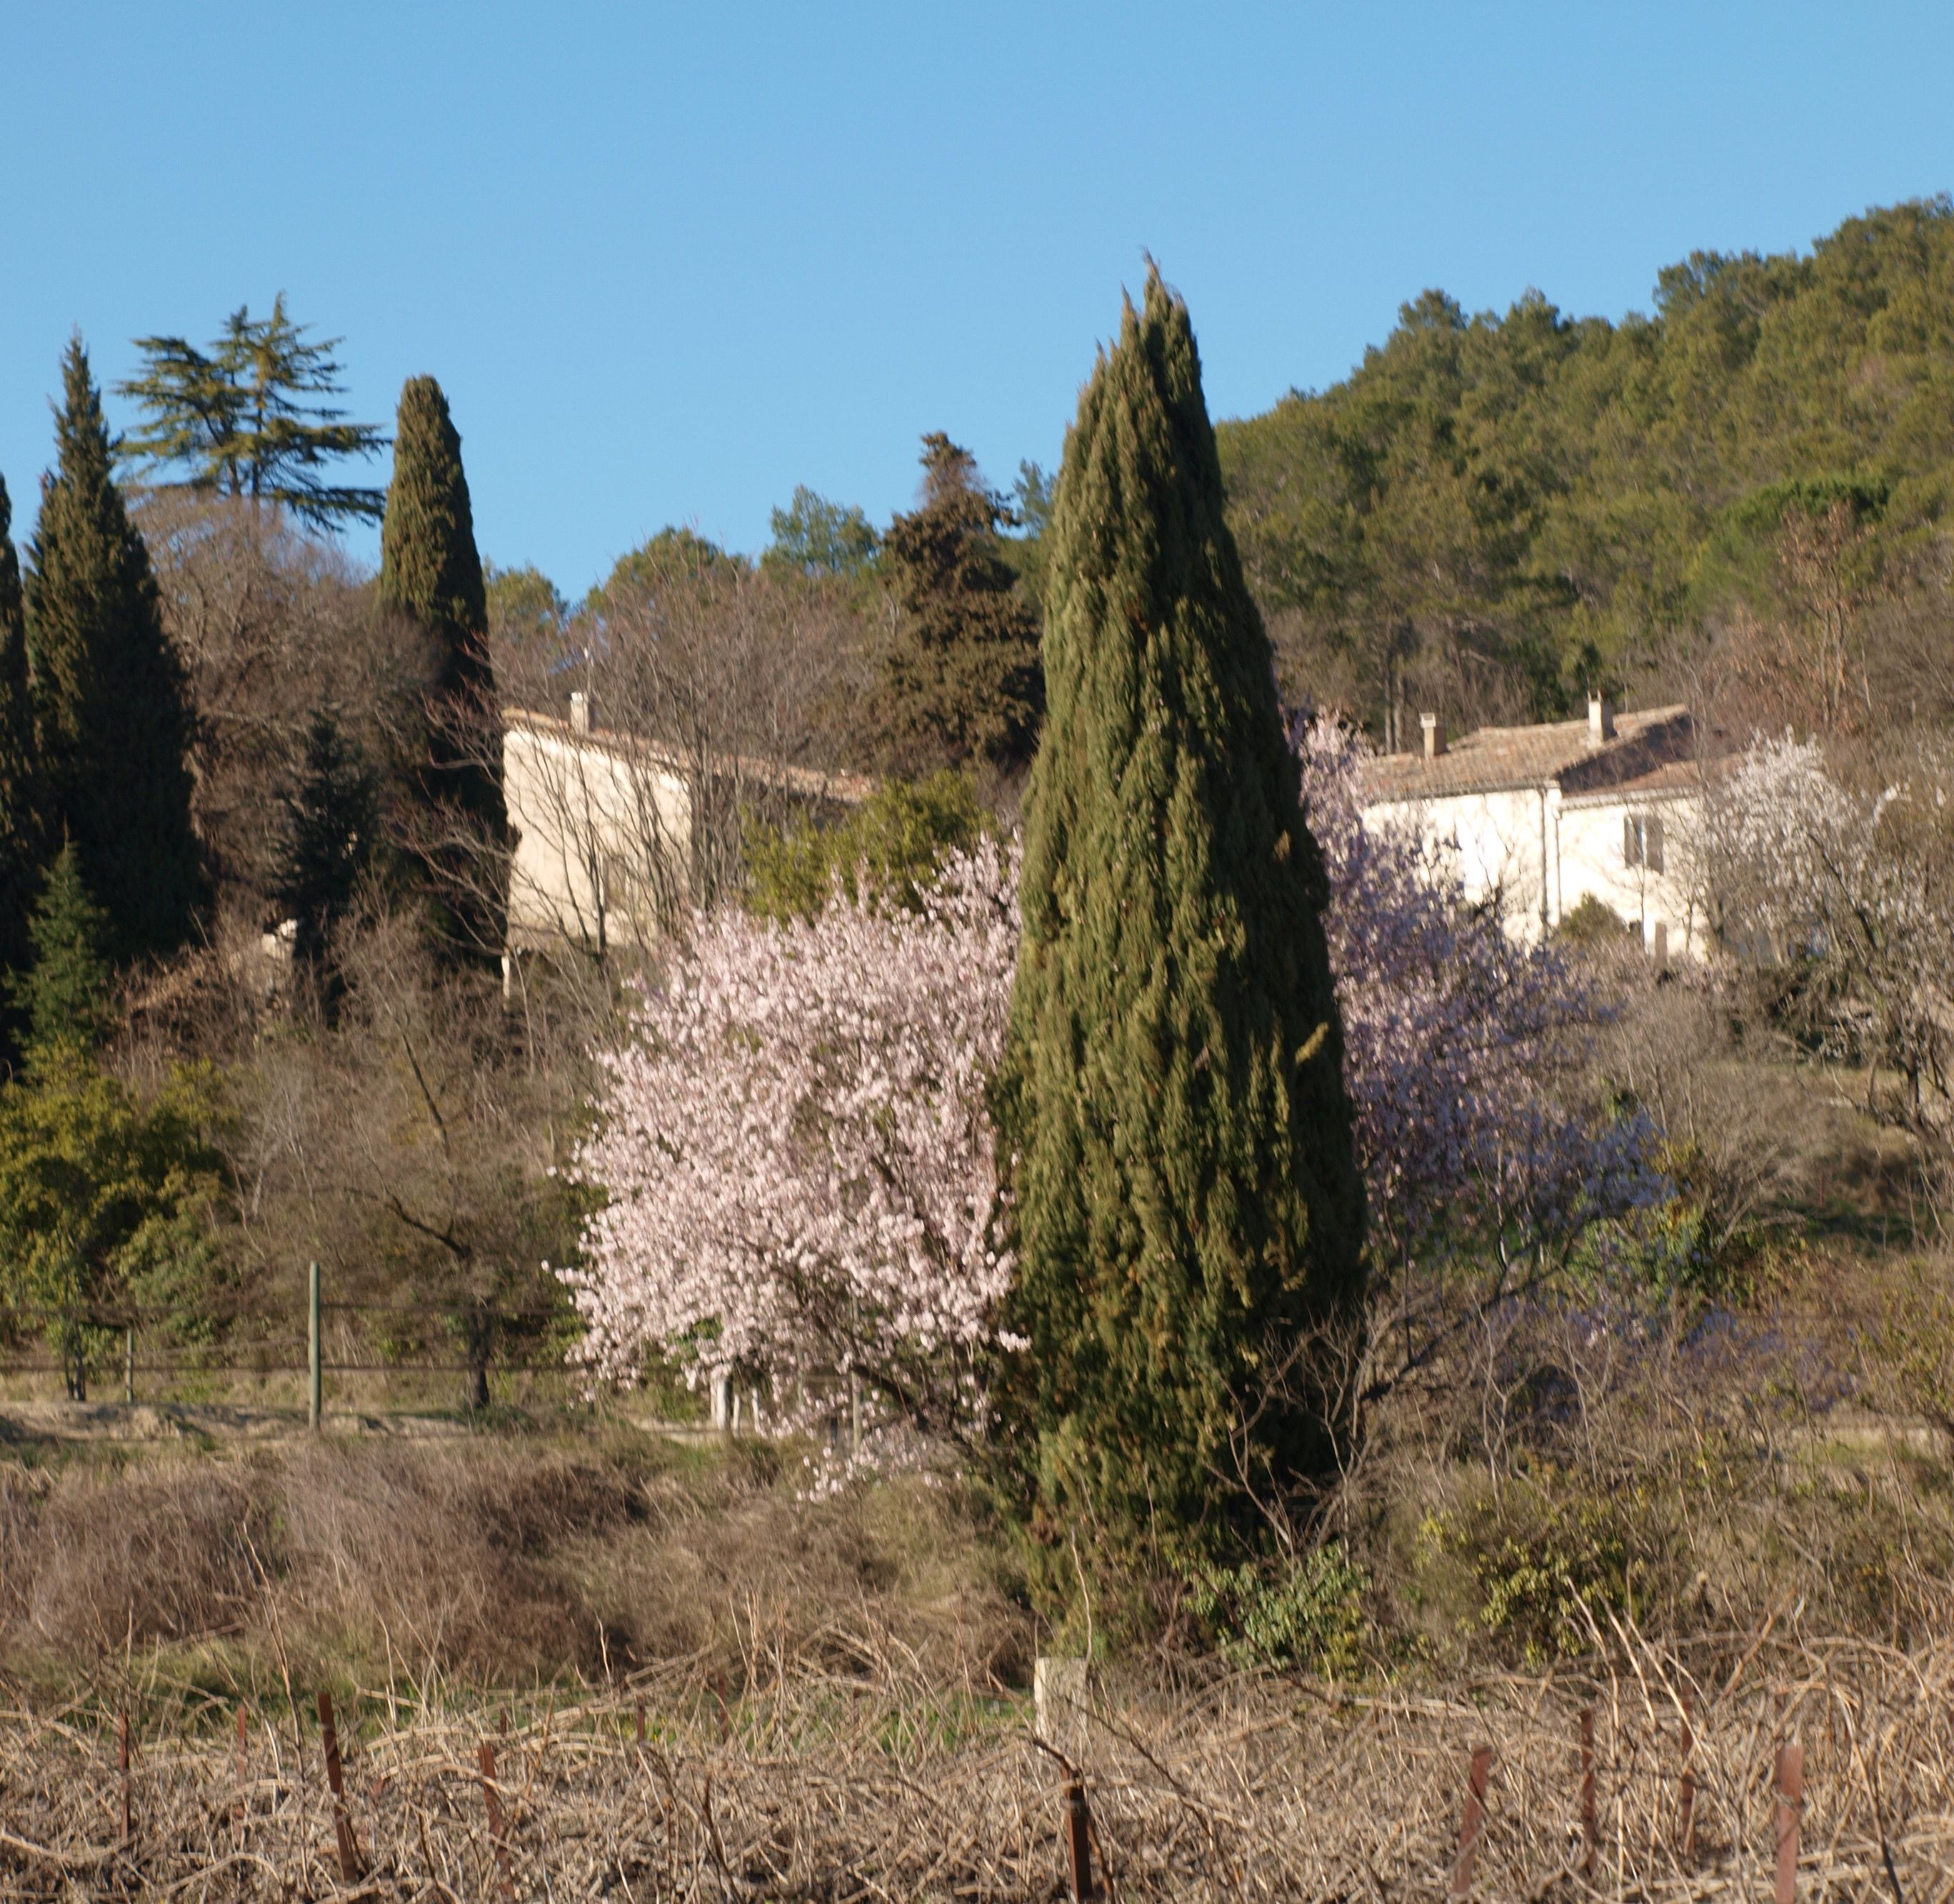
{"x":430,"y":571}
{"x":112,"y":723}
{"x":1188,"y":1209}
{"x":66,"y":995}
{"x":322,"y":837}
{"x":20,"y":813}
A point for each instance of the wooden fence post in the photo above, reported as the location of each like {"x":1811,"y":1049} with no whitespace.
{"x":315,"y":1353}
{"x":492,"y":1803}
{"x":1790,"y":1783}
{"x":342,"y":1822}
{"x":1471,"y":1820}
{"x":1590,"y":1833}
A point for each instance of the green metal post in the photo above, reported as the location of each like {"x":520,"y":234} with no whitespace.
{"x":316,"y":1391}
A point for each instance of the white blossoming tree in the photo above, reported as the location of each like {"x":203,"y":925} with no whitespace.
{"x":800,"y":1176}
{"x":1846,"y":883}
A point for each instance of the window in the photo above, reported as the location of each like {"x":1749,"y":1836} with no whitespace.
{"x":1641,"y":841}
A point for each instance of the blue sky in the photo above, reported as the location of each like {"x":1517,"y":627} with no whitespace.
{"x":669,"y":262}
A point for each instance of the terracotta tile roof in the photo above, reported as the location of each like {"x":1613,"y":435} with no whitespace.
{"x":1498,"y":759}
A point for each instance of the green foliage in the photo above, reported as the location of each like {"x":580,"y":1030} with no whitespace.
{"x":1188,"y":1210}
{"x":104,"y":1202}
{"x":235,"y":419}
{"x":1594,"y":922}
{"x":897,"y":838}
{"x":1518,"y":507}
{"x":644,"y":569}
{"x":20,"y":807}
{"x":960,"y":680}
{"x":323,"y":835}
{"x":1308,"y":1613}
{"x":524,"y":605}
{"x":818,"y":537}
{"x":1537,"y":1553}
{"x":429,"y":570}
{"x":112,"y":717}
{"x":66,"y":994}
{"x":1031,"y":499}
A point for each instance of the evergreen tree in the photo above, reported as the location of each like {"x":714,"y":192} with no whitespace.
{"x":112,"y":722}
{"x":429,"y":569}
{"x":66,"y":992}
{"x":815,"y":536}
{"x":20,"y":814}
{"x":323,"y":837}
{"x":1189,"y":1208}
{"x":960,"y":680}
{"x":234,"y":418}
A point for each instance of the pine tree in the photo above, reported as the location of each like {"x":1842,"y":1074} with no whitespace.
{"x":429,"y":569}
{"x":234,"y":418}
{"x":112,"y":722}
{"x":1189,"y":1208}
{"x":960,"y":680}
{"x":323,"y":836}
{"x":20,"y":812}
{"x":66,"y":995}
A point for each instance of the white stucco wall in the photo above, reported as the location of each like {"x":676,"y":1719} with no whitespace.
{"x":600,"y":829}
{"x":1541,"y":854}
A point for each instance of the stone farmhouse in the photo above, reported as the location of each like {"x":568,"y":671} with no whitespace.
{"x":1540,"y":818}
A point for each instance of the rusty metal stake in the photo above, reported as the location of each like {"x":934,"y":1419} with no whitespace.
{"x":1685,"y":1807}
{"x":492,"y":1803}
{"x":641,"y":1722}
{"x":1471,"y":1820}
{"x":342,"y":1821}
{"x":238,"y":1813}
{"x":1790,"y":1783}
{"x":1590,"y":1834}
{"x":122,"y":1764}
{"x":1079,"y":1839}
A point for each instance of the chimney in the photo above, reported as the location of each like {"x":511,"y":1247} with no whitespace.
{"x":1601,"y":720}
{"x":1434,"y":735}
{"x":579,"y":713}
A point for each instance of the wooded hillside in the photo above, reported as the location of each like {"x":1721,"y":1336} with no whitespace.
{"x":1494,"y":512}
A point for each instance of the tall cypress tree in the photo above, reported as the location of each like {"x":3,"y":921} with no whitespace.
{"x":429,"y":569}
{"x":19,"y":812}
{"x":1188,"y":1204}
{"x":112,"y":722}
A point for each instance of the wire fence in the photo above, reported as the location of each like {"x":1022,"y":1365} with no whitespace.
{"x":384,"y":1352}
